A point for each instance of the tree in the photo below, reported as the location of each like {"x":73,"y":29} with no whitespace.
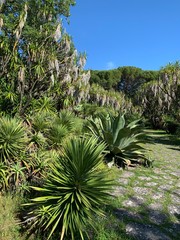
{"x":161,"y":97}
{"x":132,"y":78}
{"x":37,"y":56}
{"x":169,"y":84}
{"x":108,"y":79}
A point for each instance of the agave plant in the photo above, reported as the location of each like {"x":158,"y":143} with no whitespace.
{"x":12,"y":138}
{"x":75,"y":189}
{"x":122,"y":141}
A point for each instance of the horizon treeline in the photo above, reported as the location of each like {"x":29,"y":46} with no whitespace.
{"x":126,"y":78}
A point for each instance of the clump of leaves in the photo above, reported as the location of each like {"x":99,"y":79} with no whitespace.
{"x":75,"y":189}
{"x":123,"y":141}
{"x":12,"y":138}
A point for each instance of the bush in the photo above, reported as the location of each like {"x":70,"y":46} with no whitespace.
{"x":74,"y":190}
{"x":171,"y":124}
{"x":12,"y":138}
{"x":123,"y":141}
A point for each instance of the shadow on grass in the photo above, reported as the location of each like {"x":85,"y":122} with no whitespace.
{"x":163,"y":138}
{"x":147,"y":222}
{"x":176,"y":149}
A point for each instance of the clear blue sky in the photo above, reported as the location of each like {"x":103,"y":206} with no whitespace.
{"x":114,"y":33}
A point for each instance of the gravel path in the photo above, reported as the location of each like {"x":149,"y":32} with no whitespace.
{"x":150,"y":198}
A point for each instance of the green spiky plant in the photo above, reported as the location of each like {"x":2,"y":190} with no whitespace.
{"x":56,"y":135}
{"x":16,"y":174}
{"x":74,"y":191}
{"x":72,"y":122}
{"x":12,"y":138}
{"x":41,"y":121}
{"x":3,"y":176}
{"x":44,"y":104}
{"x":64,"y":126}
{"x":123,"y":141}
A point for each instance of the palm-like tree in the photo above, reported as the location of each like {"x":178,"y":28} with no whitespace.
{"x":75,"y":189}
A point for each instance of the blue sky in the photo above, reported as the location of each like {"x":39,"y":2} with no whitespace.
{"x":115,"y":33}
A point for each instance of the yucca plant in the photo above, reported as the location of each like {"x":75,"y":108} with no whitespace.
{"x":37,"y":139}
{"x":12,"y":138}
{"x":56,"y":135}
{"x":44,"y":104}
{"x":41,"y":121}
{"x":66,"y":118}
{"x":123,"y":141}
{"x":40,"y":162}
{"x":16,"y":174}
{"x":74,"y":191}
{"x":70,"y":121}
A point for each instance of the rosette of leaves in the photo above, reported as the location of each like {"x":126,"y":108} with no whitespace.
{"x":56,"y":135}
{"x":74,"y":190}
{"x":123,"y":141}
{"x":12,"y":138}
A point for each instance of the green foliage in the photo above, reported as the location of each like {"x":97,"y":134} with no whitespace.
{"x":126,"y":79}
{"x":122,"y":141}
{"x":12,"y":138}
{"x":39,"y":163}
{"x":95,"y":110}
{"x":74,"y":190}
{"x":3,"y":176}
{"x":44,"y":105}
{"x":108,"y":79}
{"x":171,"y":124}
{"x":16,"y":174}
{"x":56,"y":135}
{"x":39,"y":65}
{"x":67,"y":119}
{"x":37,"y":139}
{"x":41,"y":121}
{"x":132,"y":78}
{"x":161,"y":97}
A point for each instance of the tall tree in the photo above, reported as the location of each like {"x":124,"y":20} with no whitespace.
{"x":161,"y":97}
{"x":37,"y":55}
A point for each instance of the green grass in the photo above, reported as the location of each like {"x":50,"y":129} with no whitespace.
{"x":9,"y":223}
{"x":164,"y":150}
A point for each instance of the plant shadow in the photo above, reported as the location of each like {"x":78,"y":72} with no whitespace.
{"x":162,"y":137}
{"x":146,"y":222}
